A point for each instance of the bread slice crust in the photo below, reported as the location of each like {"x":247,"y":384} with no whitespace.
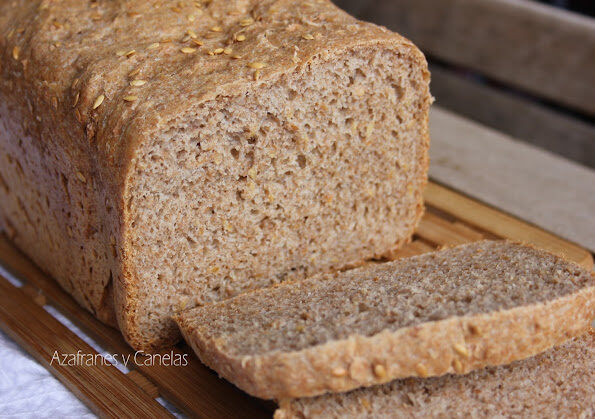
{"x":556,"y":383}
{"x":456,"y":344}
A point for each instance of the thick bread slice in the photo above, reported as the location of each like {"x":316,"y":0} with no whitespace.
{"x":175,"y":153}
{"x":558,"y":383}
{"x":451,"y":311}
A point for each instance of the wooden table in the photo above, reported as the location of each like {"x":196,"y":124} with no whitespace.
{"x":471,"y":166}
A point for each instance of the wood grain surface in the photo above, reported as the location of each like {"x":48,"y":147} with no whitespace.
{"x":540,"y":49}
{"x":102,"y":387}
{"x":514,"y":115}
{"x":525,"y":181}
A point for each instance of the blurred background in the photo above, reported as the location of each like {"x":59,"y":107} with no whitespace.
{"x":523,"y":67}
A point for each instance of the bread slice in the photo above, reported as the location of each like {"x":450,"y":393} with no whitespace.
{"x":179,"y":153}
{"x":558,"y":383}
{"x":452,"y":311}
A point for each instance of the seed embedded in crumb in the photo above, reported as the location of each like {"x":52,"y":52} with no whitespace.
{"x":188,"y":50}
{"x":80,"y":177}
{"x":191,"y":18}
{"x":216,"y":29}
{"x":339,"y":372}
{"x":257,"y":75}
{"x":461,"y":350}
{"x":192,"y":34}
{"x":154,"y":45}
{"x":218,"y":51}
{"x":16,"y":51}
{"x":98,"y":101}
{"x":227,"y":51}
{"x":130,"y":98}
{"x":246,"y":22}
{"x":257,"y":65}
{"x":308,"y":36}
{"x":130,"y":53}
{"x":241,"y":38}
{"x":236,"y":57}
{"x":138,"y":83}
{"x":379,"y":371}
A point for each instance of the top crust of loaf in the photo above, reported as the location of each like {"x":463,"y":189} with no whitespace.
{"x":71,"y":65}
{"x":486,"y":303}
{"x":557,"y":383}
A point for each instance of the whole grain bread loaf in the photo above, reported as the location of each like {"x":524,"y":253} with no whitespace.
{"x":559,"y":383}
{"x":451,"y":311}
{"x":156,"y":155}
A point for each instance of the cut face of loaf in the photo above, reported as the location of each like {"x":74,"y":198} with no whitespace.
{"x":215,"y":148}
{"x":557,"y":383}
{"x":318,"y":169}
{"x":451,"y":311}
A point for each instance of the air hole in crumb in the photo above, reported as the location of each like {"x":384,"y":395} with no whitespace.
{"x":252,"y":139}
{"x":235,"y":153}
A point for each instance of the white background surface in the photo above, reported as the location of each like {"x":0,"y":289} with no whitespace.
{"x":28,"y":390}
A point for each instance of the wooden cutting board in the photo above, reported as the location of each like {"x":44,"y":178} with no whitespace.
{"x":450,"y":219}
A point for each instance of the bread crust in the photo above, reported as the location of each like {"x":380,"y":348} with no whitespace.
{"x":557,"y":383}
{"x":65,"y":86}
{"x":454,"y":345}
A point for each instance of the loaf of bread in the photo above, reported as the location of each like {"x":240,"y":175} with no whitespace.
{"x":451,"y":311}
{"x":559,"y":383}
{"x":158,"y":155}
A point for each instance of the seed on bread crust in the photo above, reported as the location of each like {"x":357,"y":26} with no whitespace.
{"x":461,"y":350}
{"x":98,"y":101}
{"x":421,"y":370}
{"x":257,"y":65}
{"x":379,"y":371}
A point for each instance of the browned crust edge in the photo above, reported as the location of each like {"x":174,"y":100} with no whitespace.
{"x":456,"y":345}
